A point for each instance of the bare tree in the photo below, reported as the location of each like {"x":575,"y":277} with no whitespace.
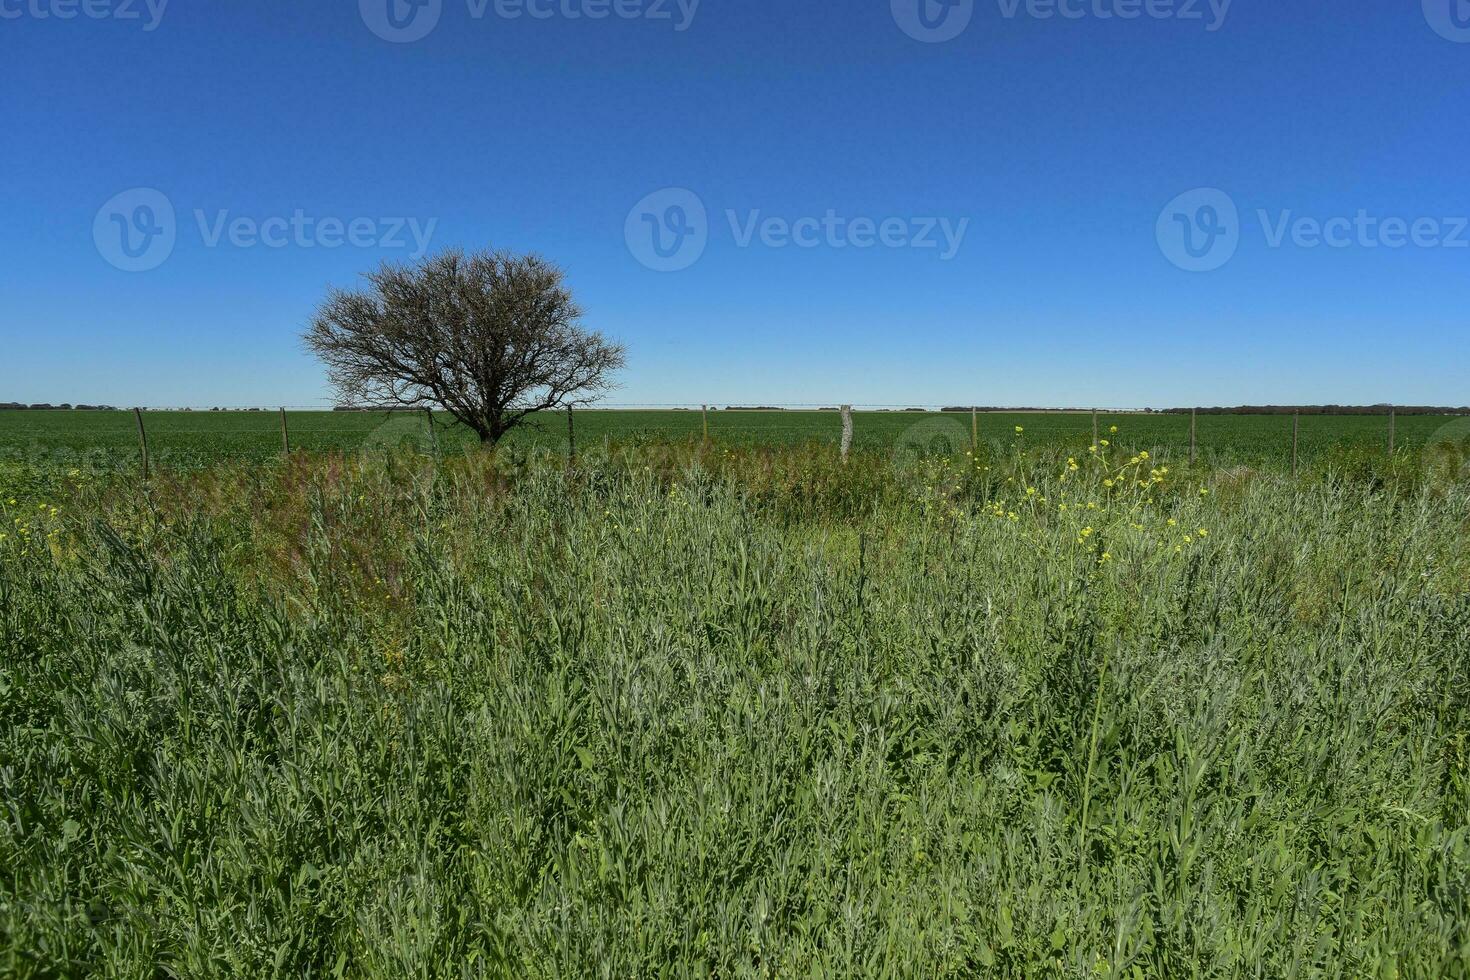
{"x":490,"y":337}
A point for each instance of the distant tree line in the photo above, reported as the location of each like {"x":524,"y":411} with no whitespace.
{"x":63,"y":407}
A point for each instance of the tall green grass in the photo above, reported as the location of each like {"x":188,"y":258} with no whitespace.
{"x":737,"y":712}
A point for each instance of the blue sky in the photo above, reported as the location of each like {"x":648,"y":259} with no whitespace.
{"x":1066,"y":156}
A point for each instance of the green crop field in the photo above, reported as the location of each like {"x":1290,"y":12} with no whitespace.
{"x":110,"y":439}
{"x":737,"y":710}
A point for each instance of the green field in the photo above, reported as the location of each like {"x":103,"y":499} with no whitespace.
{"x":110,"y":439}
{"x":735,"y":710}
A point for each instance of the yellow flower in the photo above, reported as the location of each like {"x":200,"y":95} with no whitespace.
{"x":1108,"y":483}
{"x":1203,"y":533}
{"x":1113,"y":429}
{"x":1105,"y":443}
{"x":1020,"y":429}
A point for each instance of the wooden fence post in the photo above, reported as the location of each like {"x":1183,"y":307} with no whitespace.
{"x":142,"y":440}
{"x":704,"y":414}
{"x":285,"y":434}
{"x":1192,"y":440}
{"x":1296,"y":432}
{"x":846,"y":431}
{"x":433,"y":434}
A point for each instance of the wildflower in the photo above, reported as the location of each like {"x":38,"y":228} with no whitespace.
{"x":1204,"y":533}
{"x":1092,"y":449}
{"x":1108,"y":483}
{"x":1172,"y":522}
{"x":1143,"y":455}
{"x":1105,"y":444}
{"x":1113,"y":429}
{"x":1105,"y":558}
{"x":1030,"y":491}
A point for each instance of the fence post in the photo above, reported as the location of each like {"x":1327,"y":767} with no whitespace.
{"x":846,"y":431}
{"x":571,"y":437}
{"x":142,"y":440}
{"x":974,"y":428}
{"x":433,"y":434}
{"x":704,"y":414}
{"x":1094,"y":427}
{"x":1296,"y":432}
{"x":1191,"y":436}
{"x":285,"y":434}
{"x":1392,"y":420}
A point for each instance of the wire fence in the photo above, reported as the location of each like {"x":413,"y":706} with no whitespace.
{"x":152,"y":438}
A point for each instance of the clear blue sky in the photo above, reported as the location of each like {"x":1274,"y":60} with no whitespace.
{"x":1060,"y":140}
